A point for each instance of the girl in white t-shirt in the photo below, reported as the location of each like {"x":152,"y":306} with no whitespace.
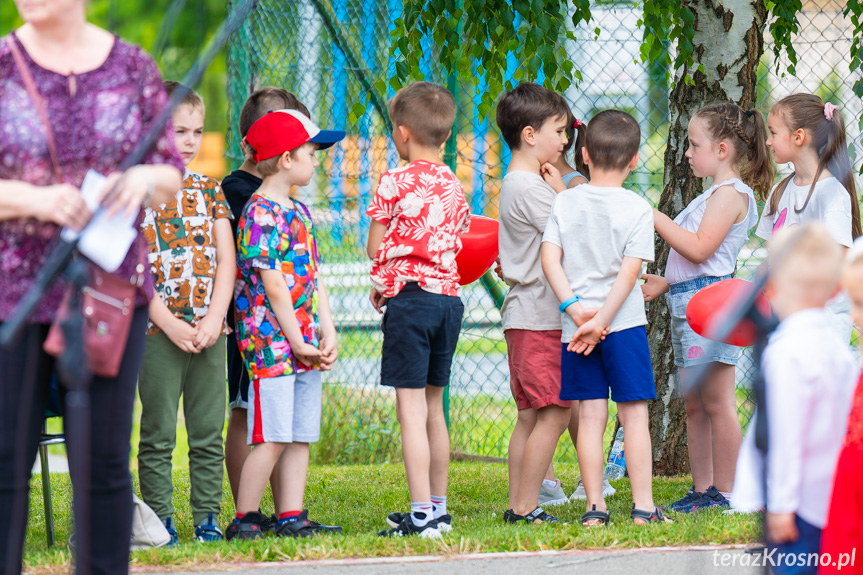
{"x":811,"y":135}
{"x":728,"y":145}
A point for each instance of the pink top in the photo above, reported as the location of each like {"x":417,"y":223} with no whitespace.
{"x":95,"y":128}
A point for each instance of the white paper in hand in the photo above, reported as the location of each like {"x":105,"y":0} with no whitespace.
{"x":105,"y":241}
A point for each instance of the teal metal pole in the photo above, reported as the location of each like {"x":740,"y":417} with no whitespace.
{"x":449,"y":158}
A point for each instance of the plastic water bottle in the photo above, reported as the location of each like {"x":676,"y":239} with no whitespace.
{"x":616,"y":466}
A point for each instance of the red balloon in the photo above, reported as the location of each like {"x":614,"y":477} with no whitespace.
{"x":479,"y":249}
{"x":708,"y":307}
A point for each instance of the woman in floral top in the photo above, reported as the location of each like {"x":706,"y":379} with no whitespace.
{"x":100,"y":96}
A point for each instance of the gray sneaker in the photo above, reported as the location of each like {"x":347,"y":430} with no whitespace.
{"x":553,"y":496}
{"x":607,"y":490}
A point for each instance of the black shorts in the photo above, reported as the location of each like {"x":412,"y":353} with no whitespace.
{"x":420,"y":336}
{"x":238,"y":375}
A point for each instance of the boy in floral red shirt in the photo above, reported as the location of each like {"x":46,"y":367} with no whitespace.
{"x":418,"y":214}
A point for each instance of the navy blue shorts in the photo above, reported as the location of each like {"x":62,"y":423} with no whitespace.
{"x":621,"y":364}
{"x":420,"y":336}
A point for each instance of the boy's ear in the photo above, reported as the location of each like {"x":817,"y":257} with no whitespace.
{"x":404,"y":133}
{"x":528,"y":135}
{"x":285,"y":160}
{"x":633,"y":163}
{"x":585,"y":156}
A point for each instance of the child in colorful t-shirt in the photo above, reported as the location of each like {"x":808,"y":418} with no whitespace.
{"x":239,"y":186}
{"x":418,"y":215}
{"x":283,"y":322}
{"x":191,"y":255}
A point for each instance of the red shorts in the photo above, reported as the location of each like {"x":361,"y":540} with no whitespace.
{"x":534,"y":368}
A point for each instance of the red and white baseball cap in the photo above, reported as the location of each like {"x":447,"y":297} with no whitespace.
{"x":281,"y":131}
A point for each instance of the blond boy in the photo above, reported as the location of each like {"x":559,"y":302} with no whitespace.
{"x":809,"y":377}
{"x":192,"y":257}
{"x":418,"y":215}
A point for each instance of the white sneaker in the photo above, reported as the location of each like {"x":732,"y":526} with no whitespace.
{"x":551,"y":495}
{"x":607,"y":490}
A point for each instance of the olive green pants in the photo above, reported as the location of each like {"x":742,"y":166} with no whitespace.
{"x":167,"y":374}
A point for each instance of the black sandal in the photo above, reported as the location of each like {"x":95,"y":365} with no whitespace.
{"x":593,"y":515}
{"x":654,"y":516}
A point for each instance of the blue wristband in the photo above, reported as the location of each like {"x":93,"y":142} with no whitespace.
{"x":568,"y":303}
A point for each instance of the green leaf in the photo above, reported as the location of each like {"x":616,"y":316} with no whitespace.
{"x":687,"y":16}
{"x":358,"y":109}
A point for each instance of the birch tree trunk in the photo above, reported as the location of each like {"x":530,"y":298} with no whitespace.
{"x":728,"y":43}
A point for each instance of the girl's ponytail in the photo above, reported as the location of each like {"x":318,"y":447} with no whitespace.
{"x":834,"y":156}
{"x":760,"y":172}
{"x":580,"y":133}
{"x":827,"y":130}
{"x":575,"y":133}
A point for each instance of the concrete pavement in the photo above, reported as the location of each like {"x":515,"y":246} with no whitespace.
{"x":728,"y":560}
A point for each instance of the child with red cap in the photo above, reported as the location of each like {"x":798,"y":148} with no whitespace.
{"x":283,"y":323}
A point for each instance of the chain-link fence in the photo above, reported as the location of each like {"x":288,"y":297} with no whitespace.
{"x":328,"y":52}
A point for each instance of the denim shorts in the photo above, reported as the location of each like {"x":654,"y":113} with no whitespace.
{"x":421,"y":332}
{"x":689,"y":347}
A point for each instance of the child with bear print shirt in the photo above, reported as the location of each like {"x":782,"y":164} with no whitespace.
{"x":192,"y":257}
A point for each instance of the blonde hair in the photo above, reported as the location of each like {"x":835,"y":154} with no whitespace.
{"x":854,"y":257}
{"x":191,"y":98}
{"x":812,"y":256}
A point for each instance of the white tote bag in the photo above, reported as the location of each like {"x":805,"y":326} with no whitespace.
{"x":147,"y":530}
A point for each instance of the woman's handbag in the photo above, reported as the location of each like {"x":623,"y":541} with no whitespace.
{"x":107,"y":301}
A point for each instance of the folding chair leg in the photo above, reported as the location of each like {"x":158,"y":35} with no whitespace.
{"x":46,"y":494}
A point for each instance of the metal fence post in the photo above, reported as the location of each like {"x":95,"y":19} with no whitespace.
{"x":449,"y":158}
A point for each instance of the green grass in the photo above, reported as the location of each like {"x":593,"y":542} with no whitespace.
{"x":358,"y":498}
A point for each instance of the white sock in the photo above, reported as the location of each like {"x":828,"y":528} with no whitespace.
{"x":438,"y":505}
{"x":551,"y":483}
{"x":725,"y":494}
{"x":421,"y":513}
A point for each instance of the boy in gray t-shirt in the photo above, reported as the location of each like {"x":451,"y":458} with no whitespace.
{"x":533,"y":122}
{"x":596,"y":239}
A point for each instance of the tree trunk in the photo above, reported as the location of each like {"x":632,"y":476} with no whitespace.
{"x":728,"y":41}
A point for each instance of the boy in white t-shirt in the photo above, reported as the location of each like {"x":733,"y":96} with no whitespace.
{"x":597,"y":237}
